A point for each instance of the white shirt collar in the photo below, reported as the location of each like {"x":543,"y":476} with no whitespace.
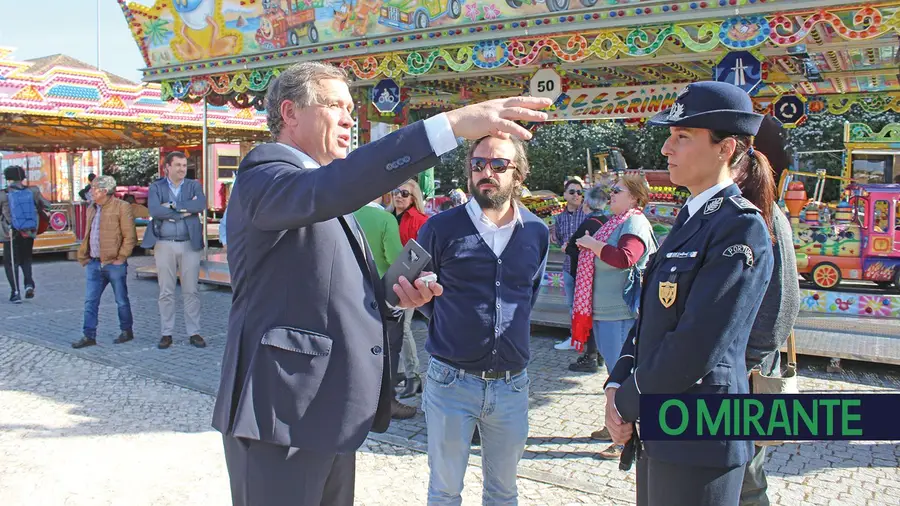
{"x":306,"y":161}
{"x":375,"y":205}
{"x":477,"y":214}
{"x":694,"y":204}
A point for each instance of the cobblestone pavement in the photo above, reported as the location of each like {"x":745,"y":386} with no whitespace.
{"x":76,"y":432}
{"x":565,"y":406}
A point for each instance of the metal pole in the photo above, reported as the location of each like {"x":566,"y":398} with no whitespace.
{"x":100,"y":151}
{"x":206,"y":179}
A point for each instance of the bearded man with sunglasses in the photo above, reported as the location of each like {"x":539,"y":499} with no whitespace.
{"x":489,"y":256}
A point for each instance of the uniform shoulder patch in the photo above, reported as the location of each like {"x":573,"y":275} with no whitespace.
{"x":740,"y":249}
{"x":743,"y":204}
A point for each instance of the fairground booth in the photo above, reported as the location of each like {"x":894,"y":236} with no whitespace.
{"x":600,"y":60}
{"x":59,"y":115}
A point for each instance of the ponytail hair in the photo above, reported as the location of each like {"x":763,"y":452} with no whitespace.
{"x":753,"y":174}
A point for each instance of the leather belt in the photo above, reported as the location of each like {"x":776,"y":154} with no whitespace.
{"x":485,"y":375}
{"x":492,"y":375}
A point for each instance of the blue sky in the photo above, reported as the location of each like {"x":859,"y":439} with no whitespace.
{"x":43,"y":27}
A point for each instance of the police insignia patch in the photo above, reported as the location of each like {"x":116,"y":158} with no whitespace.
{"x":677,"y":112}
{"x":667,"y":293}
{"x":684,"y":91}
{"x":740,"y":249}
{"x":743,"y":203}
{"x":713,"y":205}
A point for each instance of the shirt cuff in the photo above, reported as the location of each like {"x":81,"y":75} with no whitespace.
{"x":440,"y":134}
{"x":611,"y":384}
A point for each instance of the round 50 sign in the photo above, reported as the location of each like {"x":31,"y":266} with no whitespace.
{"x":546,"y":83}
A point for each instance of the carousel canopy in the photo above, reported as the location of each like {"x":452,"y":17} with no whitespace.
{"x":58,"y":103}
{"x":448,"y":52}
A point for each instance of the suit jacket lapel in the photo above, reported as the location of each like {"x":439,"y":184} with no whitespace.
{"x":361,"y":249}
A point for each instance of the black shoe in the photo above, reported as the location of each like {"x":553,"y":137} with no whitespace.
{"x":585,"y":363}
{"x":165,"y":342}
{"x":15,"y":298}
{"x":124,"y":337}
{"x":29,"y":292}
{"x":400,"y":411}
{"x":413,"y":387}
{"x":84,"y":342}
{"x":198,"y":341}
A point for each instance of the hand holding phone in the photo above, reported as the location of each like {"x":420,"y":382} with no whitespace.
{"x":409,"y":264}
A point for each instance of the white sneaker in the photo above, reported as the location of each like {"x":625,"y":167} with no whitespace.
{"x":565,"y":344}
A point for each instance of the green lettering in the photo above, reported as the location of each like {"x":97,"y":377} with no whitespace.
{"x":705,"y":420}
{"x":753,"y":418}
{"x":779,"y":418}
{"x":829,"y":404}
{"x":812,"y":424}
{"x":737,"y":419}
{"x":846,"y":418}
{"x":684,"y":417}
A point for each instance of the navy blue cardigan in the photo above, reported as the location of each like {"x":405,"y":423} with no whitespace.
{"x":482,"y":321}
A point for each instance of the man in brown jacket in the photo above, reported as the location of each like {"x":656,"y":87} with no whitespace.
{"x":108,"y":241}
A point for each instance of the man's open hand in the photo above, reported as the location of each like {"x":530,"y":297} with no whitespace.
{"x":498,"y":117}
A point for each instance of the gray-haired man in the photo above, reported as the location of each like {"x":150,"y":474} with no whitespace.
{"x":108,"y":241}
{"x":305,"y":371}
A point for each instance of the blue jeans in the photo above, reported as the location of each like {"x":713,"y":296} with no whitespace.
{"x":454,"y":402}
{"x":610,"y":336}
{"x":97,"y":278}
{"x":569,"y":287}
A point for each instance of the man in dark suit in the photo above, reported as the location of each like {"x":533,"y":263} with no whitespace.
{"x":305,"y":374}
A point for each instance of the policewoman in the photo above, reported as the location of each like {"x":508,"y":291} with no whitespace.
{"x":701,"y":293}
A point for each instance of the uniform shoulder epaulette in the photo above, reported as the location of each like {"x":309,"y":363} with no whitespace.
{"x":744,"y":205}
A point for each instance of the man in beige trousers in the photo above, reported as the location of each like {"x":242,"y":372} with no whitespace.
{"x":176,"y":234}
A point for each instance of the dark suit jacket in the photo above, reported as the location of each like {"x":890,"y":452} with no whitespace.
{"x":306,"y":363}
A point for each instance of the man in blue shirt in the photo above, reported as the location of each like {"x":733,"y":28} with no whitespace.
{"x":489,"y":255}
{"x":176,"y":235}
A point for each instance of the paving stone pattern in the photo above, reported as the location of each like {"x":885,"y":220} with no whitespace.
{"x":565,"y":406}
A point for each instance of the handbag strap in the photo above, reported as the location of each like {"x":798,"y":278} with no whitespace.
{"x":791,"y":349}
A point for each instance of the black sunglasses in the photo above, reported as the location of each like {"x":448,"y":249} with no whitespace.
{"x":576,"y":192}
{"x":497,"y":165}
{"x":402,"y":193}
{"x":615,"y":190}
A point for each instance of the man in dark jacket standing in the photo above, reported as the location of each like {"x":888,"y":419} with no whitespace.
{"x":305,"y":371}
{"x":176,"y":235}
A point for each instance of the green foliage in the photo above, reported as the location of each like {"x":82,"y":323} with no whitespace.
{"x":132,"y":167}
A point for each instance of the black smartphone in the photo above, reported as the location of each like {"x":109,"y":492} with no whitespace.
{"x":409,"y":264}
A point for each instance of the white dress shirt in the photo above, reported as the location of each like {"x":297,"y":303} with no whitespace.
{"x":694,"y":204}
{"x":495,"y":237}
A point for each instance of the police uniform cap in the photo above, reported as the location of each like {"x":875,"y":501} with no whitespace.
{"x":712,"y":105}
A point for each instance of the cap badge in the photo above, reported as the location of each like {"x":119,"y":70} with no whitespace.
{"x":677,"y":112}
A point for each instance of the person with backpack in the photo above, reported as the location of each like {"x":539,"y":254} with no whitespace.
{"x":20,"y":206}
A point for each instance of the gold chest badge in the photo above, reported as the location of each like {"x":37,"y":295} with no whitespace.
{"x":667,"y":293}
